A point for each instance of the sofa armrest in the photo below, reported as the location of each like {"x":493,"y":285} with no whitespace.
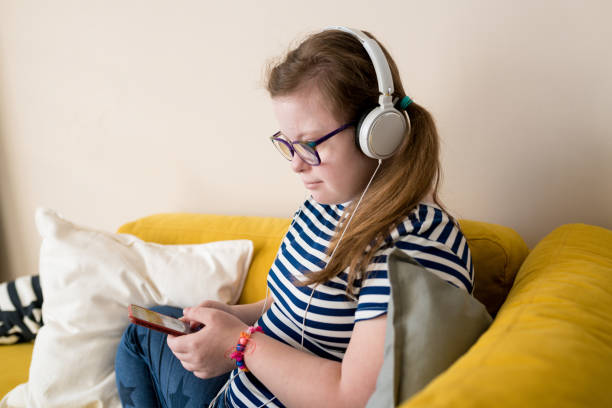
{"x":551,"y":343}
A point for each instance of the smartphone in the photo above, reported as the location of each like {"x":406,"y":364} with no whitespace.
{"x":157,"y":321}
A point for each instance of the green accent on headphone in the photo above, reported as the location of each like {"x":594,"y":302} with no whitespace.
{"x":403,"y":104}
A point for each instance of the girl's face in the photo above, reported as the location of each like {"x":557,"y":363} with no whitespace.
{"x":344,"y":170}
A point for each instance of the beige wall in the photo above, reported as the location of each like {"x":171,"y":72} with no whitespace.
{"x":112,"y":110}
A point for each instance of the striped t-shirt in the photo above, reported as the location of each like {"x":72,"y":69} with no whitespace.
{"x":427,"y":234}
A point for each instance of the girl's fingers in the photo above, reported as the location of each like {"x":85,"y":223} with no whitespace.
{"x":196,"y":314}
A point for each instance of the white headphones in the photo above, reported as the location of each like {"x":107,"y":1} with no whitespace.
{"x":380,"y":131}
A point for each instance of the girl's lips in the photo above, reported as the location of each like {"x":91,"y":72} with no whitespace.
{"x":310,"y":184}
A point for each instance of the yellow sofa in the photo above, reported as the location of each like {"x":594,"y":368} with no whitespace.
{"x":550,"y":343}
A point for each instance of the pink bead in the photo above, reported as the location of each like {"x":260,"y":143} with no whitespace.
{"x":243,"y":341}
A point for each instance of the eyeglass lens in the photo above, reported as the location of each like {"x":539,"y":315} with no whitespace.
{"x":283,"y":147}
{"x":306,"y":153}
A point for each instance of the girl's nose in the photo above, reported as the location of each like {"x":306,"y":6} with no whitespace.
{"x":298,"y":165}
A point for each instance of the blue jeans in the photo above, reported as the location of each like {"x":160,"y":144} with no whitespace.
{"x":149,"y":375}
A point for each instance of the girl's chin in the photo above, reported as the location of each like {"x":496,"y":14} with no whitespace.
{"x":327,"y":198}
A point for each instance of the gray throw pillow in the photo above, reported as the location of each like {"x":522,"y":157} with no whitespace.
{"x":430,"y":324}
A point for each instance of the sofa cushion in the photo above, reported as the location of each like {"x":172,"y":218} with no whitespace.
{"x":497,"y":253}
{"x":551,"y":343}
{"x":15,"y":364}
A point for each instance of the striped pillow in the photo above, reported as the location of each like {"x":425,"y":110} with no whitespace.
{"x":20,"y":309}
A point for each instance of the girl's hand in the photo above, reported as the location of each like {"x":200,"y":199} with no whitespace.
{"x":206,"y":352}
{"x":248,"y":313}
{"x":213,"y":304}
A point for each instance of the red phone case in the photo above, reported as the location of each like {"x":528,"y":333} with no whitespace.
{"x":158,"y":324}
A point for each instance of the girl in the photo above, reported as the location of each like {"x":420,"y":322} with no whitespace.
{"x":317,"y":339}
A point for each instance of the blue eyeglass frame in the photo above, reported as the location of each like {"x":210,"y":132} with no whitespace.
{"x":312,"y":145}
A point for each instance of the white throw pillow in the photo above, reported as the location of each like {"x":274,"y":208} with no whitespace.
{"x":89,"y":278}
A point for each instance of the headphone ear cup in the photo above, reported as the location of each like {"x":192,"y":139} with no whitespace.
{"x":381,"y":132}
{"x":358,"y":129}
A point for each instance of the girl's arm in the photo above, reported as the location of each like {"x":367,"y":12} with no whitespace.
{"x":248,"y":313}
{"x":301,"y":379}
{"x":297,"y":378}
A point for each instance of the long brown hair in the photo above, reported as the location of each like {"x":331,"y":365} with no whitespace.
{"x":337,"y":63}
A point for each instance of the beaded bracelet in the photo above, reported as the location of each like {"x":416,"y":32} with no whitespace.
{"x":238,"y":354}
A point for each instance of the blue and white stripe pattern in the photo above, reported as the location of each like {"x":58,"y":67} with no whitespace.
{"x":20,"y":309}
{"x":427,"y":234}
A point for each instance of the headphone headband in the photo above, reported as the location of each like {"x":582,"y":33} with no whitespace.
{"x":381,"y":66}
{"x":380,"y":131}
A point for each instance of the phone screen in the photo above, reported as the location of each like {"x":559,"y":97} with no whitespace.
{"x":157,"y":321}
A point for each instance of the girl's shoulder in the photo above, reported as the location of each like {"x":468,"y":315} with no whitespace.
{"x":426,"y":222}
{"x":433,"y":238}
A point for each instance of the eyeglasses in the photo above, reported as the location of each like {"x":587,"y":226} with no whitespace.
{"x":306,"y":150}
